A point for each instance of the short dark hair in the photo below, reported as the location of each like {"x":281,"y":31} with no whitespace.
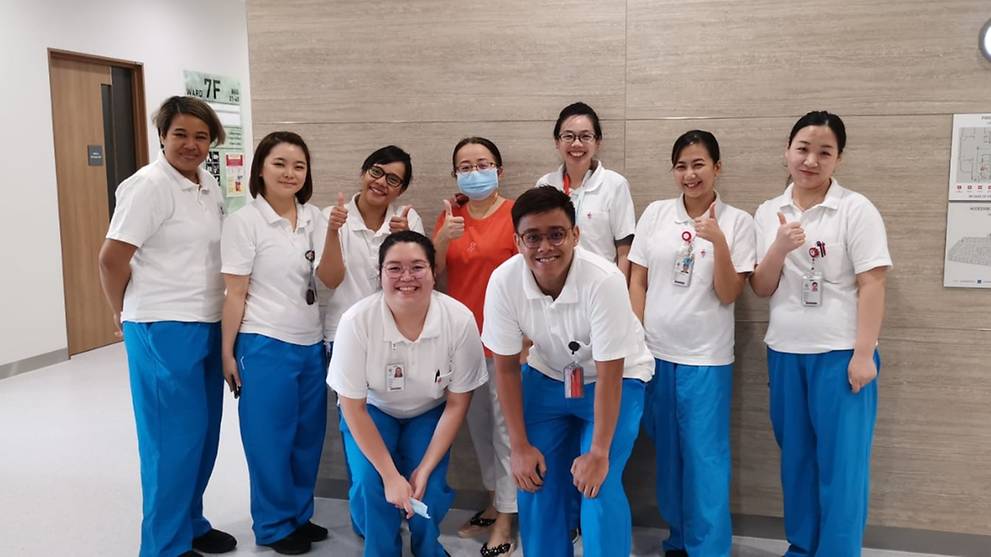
{"x":475,"y":140}
{"x":821,"y":118}
{"x":174,"y":106}
{"x":578,"y":109}
{"x":256,"y":184}
{"x":390,"y":154}
{"x":408,"y":236}
{"x":541,"y":199}
{"x":695,"y":137}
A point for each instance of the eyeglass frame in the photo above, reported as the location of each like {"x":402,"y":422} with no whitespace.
{"x":403,"y":269}
{"x":592,"y":138}
{"x":378,"y":168}
{"x":474,"y":166}
{"x":544,"y":235}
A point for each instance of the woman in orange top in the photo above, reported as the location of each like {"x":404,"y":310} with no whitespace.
{"x":472,"y":240}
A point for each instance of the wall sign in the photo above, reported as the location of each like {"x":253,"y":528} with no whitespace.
{"x":967,"y":260}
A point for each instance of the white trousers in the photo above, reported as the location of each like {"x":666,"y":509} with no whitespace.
{"x":491,"y":440}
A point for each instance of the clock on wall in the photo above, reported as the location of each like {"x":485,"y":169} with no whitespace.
{"x":984,"y":40}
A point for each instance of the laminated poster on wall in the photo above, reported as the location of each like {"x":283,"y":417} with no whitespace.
{"x":967,"y":262}
{"x":227,"y":162}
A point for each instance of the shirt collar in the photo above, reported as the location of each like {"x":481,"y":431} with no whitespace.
{"x":592,"y":179}
{"x":431,"y":325}
{"x":303,"y":218}
{"x":180,"y":180}
{"x":359,"y":223}
{"x":568,"y":295}
{"x":834,"y":194}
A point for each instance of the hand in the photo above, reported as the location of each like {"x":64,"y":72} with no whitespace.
{"x":398,"y":491}
{"x":453,"y":227}
{"x":401,"y":221}
{"x":418,"y":481}
{"x":790,"y":236}
{"x":338,"y":214}
{"x":589,"y":471}
{"x":231,"y":374}
{"x":528,"y":467}
{"x":861,"y":371}
{"x":707,"y":227}
{"x":118,"y":329}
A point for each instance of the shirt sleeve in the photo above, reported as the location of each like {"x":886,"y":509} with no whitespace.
{"x":237,"y":245}
{"x":142,"y":206}
{"x":501,"y":331}
{"x":867,"y":240}
{"x":611,"y":319}
{"x":622,"y":216}
{"x":743,"y":252}
{"x":347,"y":374}
{"x":470,"y":372}
{"x":638,"y":251}
{"x":763,"y":236}
{"x":415,"y":222}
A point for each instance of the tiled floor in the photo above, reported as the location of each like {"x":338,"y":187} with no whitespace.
{"x":69,"y":473}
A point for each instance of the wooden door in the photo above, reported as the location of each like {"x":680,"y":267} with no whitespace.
{"x":77,"y":115}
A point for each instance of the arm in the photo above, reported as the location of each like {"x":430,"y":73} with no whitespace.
{"x":330,"y":271}
{"x":441,"y":441}
{"x":230,"y":324}
{"x":638,"y":289}
{"x":870,"y":313}
{"x":725,"y":280}
{"x":369,"y":440}
{"x":115,"y":272}
{"x":527,"y":462}
{"x":449,"y":227}
{"x":767,"y":275}
{"x":622,"y":256}
{"x":590,"y":469}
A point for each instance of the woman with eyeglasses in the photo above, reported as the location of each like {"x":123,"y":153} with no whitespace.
{"x":406,"y":360}
{"x":273,"y":353}
{"x":472,"y":240}
{"x":690,"y":261}
{"x":160,"y":272}
{"x":603,"y":204}
{"x":356,"y":229}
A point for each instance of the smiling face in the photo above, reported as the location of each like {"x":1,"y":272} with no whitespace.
{"x":695,"y":172}
{"x":812,"y":157}
{"x":186,"y":144}
{"x":578,"y":152}
{"x":536,"y":237}
{"x":407,"y":278}
{"x":376,"y":192}
{"x":284,"y":171}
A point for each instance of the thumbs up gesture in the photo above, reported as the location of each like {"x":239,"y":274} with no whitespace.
{"x":707,"y":227}
{"x":453,"y":227}
{"x":400,"y":221}
{"x":790,"y":236}
{"x":338,"y":214}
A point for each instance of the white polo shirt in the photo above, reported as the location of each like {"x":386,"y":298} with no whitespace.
{"x":360,"y":248}
{"x":856,"y":242}
{"x":260,"y":243}
{"x":689,"y":325}
{"x":175,"y":224}
{"x":593,"y":310}
{"x":446,"y":358}
{"x":603,"y":208}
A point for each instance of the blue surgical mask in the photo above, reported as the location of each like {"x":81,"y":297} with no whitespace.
{"x":479,"y":184}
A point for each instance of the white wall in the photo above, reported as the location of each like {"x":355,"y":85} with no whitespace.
{"x":167,"y":36}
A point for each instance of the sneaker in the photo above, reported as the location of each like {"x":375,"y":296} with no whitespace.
{"x":311,"y":532}
{"x":214,"y":541}
{"x":290,"y":545}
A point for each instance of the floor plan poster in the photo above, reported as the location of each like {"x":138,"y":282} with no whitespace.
{"x":970,"y":158}
{"x":968,"y":245}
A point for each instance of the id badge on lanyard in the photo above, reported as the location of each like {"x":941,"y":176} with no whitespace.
{"x":812,"y":283}
{"x":684,"y":261}
{"x":574,"y":375}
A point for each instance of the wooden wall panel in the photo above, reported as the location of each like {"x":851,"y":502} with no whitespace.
{"x":432,"y":60}
{"x":709,"y":58}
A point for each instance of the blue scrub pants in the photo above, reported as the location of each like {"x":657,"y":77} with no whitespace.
{"x":825,"y":433}
{"x":374,"y":518}
{"x":687,"y":414}
{"x":177,"y":389}
{"x":283,"y":416}
{"x":561,"y":429}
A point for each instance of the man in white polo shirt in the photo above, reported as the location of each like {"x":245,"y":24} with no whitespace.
{"x":573,"y":412}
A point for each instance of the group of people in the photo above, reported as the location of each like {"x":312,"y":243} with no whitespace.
{"x":572,"y":323}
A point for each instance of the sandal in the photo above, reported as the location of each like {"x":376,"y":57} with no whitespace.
{"x":501,"y":549}
{"x":475,"y":525}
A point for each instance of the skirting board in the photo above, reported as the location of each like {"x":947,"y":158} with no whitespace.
{"x":34,"y":362}
{"x":768,"y":527}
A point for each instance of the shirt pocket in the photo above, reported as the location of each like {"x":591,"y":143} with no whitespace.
{"x":441,"y":383}
{"x":835,"y":266}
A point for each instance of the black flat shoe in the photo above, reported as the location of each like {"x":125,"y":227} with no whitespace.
{"x":311,"y":532}
{"x":290,"y":545}
{"x":676,"y":553}
{"x":214,"y":541}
